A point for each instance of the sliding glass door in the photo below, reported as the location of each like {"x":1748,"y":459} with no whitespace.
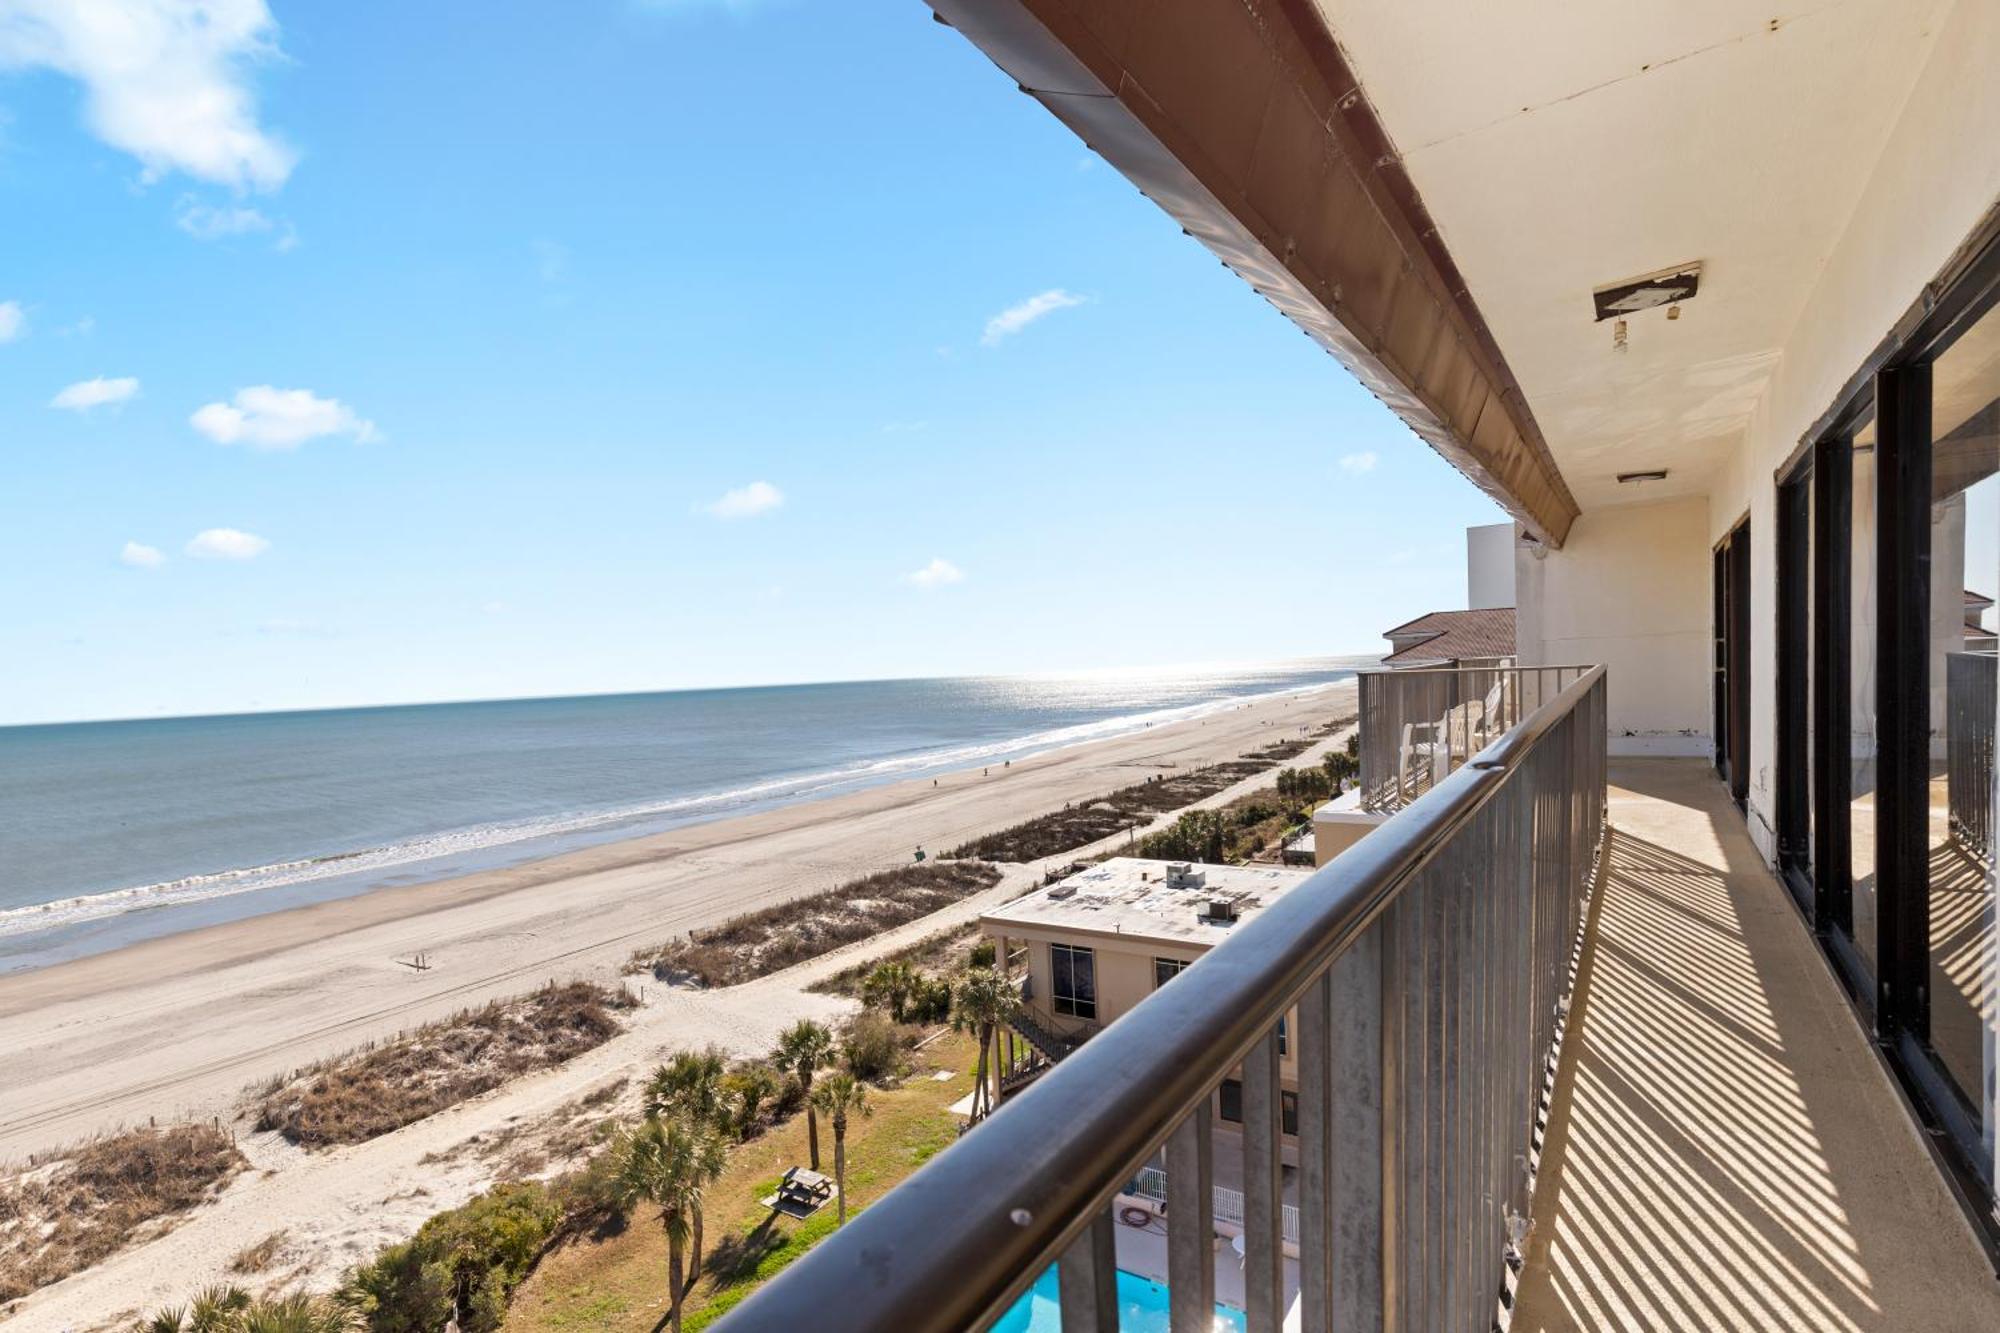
{"x":1888,"y":551}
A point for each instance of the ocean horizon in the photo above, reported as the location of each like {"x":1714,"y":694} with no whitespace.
{"x":125,"y":830}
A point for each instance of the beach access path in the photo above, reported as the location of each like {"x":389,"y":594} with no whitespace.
{"x":338,"y":1206}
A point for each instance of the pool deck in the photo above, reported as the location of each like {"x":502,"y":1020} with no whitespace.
{"x":1143,"y":1250}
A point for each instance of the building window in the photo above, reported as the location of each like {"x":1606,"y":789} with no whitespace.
{"x":1166,"y":969}
{"x":1231,"y":1108}
{"x":1073,"y":980}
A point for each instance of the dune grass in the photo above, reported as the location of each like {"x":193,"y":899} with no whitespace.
{"x":760,"y":943}
{"x":65,"y":1210}
{"x":381,"y":1087}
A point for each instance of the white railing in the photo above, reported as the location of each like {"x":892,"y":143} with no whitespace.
{"x":1151,"y":1183}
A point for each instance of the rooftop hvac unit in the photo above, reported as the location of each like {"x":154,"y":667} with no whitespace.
{"x":1181,"y":875}
{"x":1220,"y":910}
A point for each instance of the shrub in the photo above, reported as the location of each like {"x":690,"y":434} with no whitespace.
{"x":462,"y":1264}
{"x":981,"y":955}
{"x":875,"y":1049}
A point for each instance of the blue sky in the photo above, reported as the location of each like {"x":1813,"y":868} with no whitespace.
{"x":360,"y":353}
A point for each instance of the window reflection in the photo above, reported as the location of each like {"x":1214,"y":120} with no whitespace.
{"x":1965,"y":576}
{"x":1862,"y":747}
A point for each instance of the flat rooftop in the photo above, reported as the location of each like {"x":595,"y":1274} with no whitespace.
{"x":1137,"y":898}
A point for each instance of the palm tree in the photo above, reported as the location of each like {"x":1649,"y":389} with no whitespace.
{"x":804,"y":1049}
{"x":669,"y":1164}
{"x":840,"y":1094}
{"x":690,"y":1084}
{"x":983,"y":1003}
{"x":890,"y":986}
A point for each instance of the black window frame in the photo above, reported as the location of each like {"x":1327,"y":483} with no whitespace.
{"x":1066,"y":999}
{"x":1892,"y":1000}
{"x":1166,"y":969}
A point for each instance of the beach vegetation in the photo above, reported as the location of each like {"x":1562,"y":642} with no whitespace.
{"x":259,"y":1255}
{"x":378,"y":1088}
{"x":803,"y":1050}
{"x":837,"y":1097}
{"x":760,"y":943}
{"x":229,"y":1309}
{"x":64,"y":1210}
{"x":875,"y":1048}
{"x":610,"y":1279}
{"x":461,"y":1266}
{"x":982,"y":1003}
{"x":689,"y":1086}
{"x":1126,"y":809}
{"x":669,"y":1163}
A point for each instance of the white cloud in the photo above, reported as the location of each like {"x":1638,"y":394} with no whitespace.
{"x":759,"y":497}
{"x":205,"y":222}
{"x":1355,"y":465}
{"x":164,"y":80}
{"x":86,"y":394}
{"x":267,"y":418}
{"x":936,"y":574}
{"x":1017,"y":317}
{"x":13,"y":320}
{"x":227,"y":544}
{"x":141,"y":556}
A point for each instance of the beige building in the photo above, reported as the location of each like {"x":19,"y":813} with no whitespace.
{"x":1091,"y":947}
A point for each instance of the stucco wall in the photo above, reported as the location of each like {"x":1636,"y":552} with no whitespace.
{"x":1937,"y":176}
{"x":1489,"y":566}
{"x":1630,"y":589}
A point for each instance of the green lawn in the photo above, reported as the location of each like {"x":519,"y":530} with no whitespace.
{"x":620,"y":1282}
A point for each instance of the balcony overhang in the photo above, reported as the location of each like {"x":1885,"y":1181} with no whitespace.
{"x":1243,"y":121}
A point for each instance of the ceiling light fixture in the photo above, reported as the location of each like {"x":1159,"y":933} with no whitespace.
{"x":1666,"y":287}
{"x":1657,"y":475}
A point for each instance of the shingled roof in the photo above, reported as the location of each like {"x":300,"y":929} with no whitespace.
{"x":1452,"y":635}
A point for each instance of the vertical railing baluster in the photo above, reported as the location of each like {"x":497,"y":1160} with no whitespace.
{"x":1087,"y":1279}
{"x":1315,"y":1062}
{"x":1191,"y":1222}
{"x":1368,"y":1072}
{"x":1263,"y":1188}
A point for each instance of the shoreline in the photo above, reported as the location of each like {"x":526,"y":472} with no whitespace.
{"x":178,"y":1024}
{"x":116,"y":919}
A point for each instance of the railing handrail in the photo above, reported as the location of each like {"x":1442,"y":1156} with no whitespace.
{"x":955,"y":1244}
{"x":1469,"y":670}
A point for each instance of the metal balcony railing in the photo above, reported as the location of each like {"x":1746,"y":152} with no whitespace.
{"x":1971,"y":680}
{"x":1419,"y":726}
{"x":1429,"y":966}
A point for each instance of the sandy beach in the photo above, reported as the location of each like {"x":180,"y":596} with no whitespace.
{"x":178,"y":1026}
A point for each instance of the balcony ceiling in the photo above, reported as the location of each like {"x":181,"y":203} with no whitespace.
{"x":1562,"y":147}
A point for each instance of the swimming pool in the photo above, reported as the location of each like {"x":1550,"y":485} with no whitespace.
{"x":1142,"y":1308}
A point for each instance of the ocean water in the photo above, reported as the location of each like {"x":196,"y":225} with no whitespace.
{"x":112,"y":832}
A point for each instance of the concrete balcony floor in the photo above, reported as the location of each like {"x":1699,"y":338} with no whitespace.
{"x":1725,"y":1152}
